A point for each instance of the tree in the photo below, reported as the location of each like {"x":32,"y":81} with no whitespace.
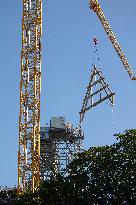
{"x":100,"y":175}
{"x":111,"y":171}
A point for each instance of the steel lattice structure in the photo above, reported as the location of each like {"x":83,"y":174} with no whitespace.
{"x":58,"y":147}
{"x":95,"y":6}
{"x":30,"y":88}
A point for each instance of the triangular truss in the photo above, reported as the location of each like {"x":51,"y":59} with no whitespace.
{"x":97,"y":91}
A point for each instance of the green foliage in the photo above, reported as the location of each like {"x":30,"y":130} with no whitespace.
{"x":7,"y":196}
{"x":101,"y":175}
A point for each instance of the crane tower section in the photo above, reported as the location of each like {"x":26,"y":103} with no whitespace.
{"x":95,"y":6}
{"x":30,"y":88}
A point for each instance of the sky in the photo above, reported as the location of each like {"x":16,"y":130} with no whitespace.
{"x":67,"y":56}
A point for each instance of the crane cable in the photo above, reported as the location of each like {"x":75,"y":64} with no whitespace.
{"x":95,"y":6}
{"x":96,"y":53}
{"x":97,"y":58}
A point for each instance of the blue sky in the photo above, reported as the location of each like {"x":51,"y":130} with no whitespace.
{"x":68,"y":29}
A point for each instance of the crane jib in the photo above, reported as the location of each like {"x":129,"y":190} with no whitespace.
{"x":95,"y":6}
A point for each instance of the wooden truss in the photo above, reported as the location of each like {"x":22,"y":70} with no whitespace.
{"x":97,"y":91}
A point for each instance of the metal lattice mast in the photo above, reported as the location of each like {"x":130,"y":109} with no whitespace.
{"x":30,"y":88}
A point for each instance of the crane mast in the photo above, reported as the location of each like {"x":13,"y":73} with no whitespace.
{"x":95,"y":6}
{"x":30,"y":88}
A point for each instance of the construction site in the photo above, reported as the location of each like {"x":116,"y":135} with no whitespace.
{"x":45,"y":151}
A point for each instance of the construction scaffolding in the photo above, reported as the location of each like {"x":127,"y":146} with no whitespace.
{"x":59,"y":143}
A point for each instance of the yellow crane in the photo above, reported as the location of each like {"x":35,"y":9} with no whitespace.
{"x":95,"y":6}
{"x":30,"y":88}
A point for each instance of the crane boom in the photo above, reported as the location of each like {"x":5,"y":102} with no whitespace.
{"x":95,"y":6}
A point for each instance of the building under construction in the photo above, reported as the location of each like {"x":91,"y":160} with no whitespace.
{"x":59,"y":142}
{"x":45,"y":152}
